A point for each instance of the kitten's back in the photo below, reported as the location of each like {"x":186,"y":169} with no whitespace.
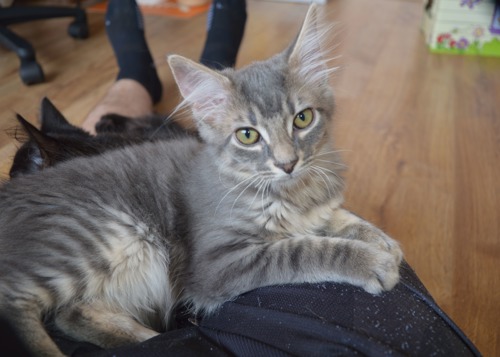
{"x":94,"y":229}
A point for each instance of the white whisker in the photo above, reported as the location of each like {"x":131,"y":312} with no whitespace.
{"x":232,"y":189}
{"x":259,"y":185}
{"x":330,"y":171}
{"x":332,"y":152}
{"x":332,"y":162}
{"x":320,"y":175}
{"x":266,"y":188}
{"x":241,"y":193}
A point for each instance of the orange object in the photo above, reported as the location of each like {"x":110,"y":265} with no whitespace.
{"x":175,"y":8}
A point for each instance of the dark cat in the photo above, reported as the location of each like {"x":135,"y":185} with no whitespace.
{"x":58,"y":140}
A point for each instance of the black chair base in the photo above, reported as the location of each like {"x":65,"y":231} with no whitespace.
{"x":30,"y":70}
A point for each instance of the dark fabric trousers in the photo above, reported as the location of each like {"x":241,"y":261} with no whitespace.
{"x":323,"y":319}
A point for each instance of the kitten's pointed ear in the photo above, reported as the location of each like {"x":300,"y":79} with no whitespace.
{"x":205,"y":90}
{"x":51,"y":118}
{"x":306,"y":55}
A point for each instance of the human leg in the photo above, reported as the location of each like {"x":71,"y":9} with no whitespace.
{"x":126,"y":97}
{"x":317,"y":320}
{"x":225,"y":28}
{"x":337,"y":319}
{"x":137,"y":87}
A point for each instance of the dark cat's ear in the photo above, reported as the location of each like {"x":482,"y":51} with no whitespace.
{"x":205,"y":90}
{"x":46,"y":145}
{"x":34,"y":155}
{"x":52,"y":121}
{"x":306,"y":56}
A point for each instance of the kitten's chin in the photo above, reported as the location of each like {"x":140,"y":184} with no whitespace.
{"x":291,"y":180}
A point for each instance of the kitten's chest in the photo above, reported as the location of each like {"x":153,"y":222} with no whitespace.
{"x":283,"y":217}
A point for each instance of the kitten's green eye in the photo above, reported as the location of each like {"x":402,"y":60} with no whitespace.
{"x":247,"y":136}
{"x":303,"y":119}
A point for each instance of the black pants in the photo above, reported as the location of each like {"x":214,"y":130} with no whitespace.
{"x":323,"y":319}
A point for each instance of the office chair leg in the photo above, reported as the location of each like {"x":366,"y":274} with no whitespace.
{"x":29,"y":71}
{"x":79,"y":27}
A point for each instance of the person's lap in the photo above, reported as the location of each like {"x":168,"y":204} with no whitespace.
{"x":309,"y":320}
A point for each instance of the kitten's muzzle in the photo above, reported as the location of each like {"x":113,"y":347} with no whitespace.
{"x":287,"y":167}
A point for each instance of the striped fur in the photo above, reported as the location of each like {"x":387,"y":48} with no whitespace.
{"x":107,"y":245}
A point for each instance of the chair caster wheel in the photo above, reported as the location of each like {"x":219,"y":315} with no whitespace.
{"x":31,"y":73}
{"x":78,"y":29}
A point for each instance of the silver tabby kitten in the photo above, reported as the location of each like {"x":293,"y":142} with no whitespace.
{"x":105,"y":246}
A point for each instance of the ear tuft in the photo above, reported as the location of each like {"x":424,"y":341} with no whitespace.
{"x":307,"y":57}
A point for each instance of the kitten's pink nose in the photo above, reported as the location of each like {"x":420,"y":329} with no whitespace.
{"x":287,"y":167}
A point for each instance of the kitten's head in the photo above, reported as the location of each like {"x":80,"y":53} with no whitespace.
{"x":269,"y":118}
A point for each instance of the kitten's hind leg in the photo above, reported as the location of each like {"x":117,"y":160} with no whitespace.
{"x":92,"y":322}
{"x":26,"y":323}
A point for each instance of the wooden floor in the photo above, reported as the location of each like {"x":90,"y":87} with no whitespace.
{"x":421,"y":131}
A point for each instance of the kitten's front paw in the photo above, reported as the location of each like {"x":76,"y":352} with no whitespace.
{"x":394,"y":249}
{"x":382,"y":272}
{"x":386,"y":243}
